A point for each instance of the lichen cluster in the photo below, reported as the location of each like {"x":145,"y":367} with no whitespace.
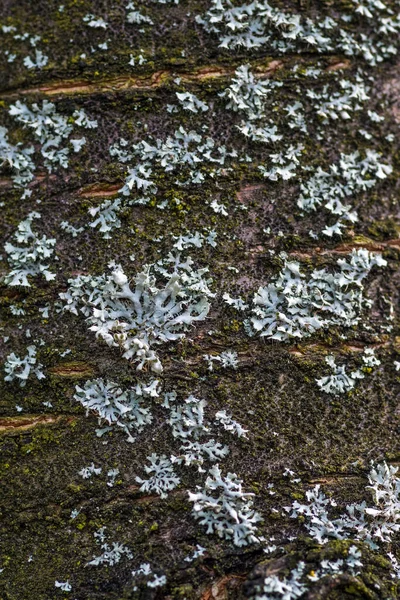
{"x":199,"y":261}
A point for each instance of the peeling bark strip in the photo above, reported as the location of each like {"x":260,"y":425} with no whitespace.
{"x":128,"y":82}
{"x":164,"y":78}
{"x":72,"y":369}
{"x":199,"y":300}
{"x":18,"y":424}
{"x":99,"y":190}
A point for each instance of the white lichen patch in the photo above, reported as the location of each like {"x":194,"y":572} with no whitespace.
{"x":124,"y":409}
{"x":331,"y":189}
{"x":51,"y":130}
{"x":246,"y":94}
{"x":106,"y":217}
{"x":21,"y":369}
{"x":31,"y":258}
{"x":258,"y":24}
{"x":283,"y":588}
{"x":135,"y":17}
{"x":225,"y":509}
{"x":162,"y":476}
{"x":227,"y":359}
{"x":135,"y":320}
{"x":112,"y":553}
{"x":339,"y":382}
{"x":300,"y":578}
{"x":183,"y":152}
{"x":64,"y":586}
{"x":18,"y":158}
{"x":145,"y":572}
{"x":95,"y":22}
{"x":190,"y":427}
{"x":293,"y":306}
{"x":369,"y":359}
{"x":229,"y":424}
{"x":374,"y":524}
{"x":87,"y":472}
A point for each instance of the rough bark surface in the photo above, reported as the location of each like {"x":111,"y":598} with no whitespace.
{"x":292,"y":424}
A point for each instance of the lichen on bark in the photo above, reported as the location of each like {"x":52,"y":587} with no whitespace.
{"x":45,"y":436}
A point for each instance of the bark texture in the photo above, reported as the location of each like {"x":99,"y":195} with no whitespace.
{"x":323,"y":439}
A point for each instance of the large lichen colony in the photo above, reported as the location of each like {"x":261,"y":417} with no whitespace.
{"x":199,"y":288}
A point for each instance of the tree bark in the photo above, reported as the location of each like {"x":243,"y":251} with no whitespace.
{"x":45,"y":435}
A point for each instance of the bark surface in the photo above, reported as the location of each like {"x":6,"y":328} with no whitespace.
{"x":323,"y":439}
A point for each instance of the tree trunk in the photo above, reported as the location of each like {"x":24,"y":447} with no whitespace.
{"x":251,"y":224}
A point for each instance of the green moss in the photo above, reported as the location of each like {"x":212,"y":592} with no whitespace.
{"x":384,"y":230}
